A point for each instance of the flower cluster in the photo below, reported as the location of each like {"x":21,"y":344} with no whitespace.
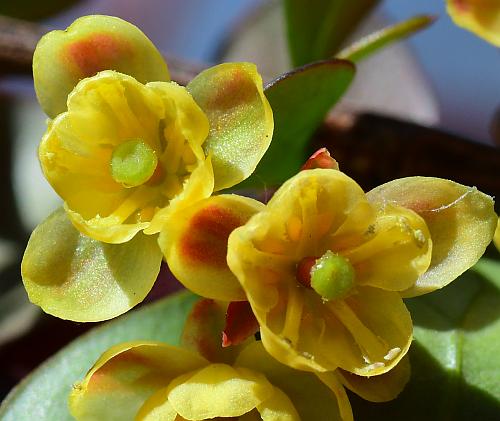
{"x":323,"y":267}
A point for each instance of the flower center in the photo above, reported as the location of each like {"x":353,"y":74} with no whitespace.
{"x":133,"y":163}
{"x":331,"y":276}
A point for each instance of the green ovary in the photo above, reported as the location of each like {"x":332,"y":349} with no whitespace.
{"x":332,"y":276}
{"x":133,"y":163}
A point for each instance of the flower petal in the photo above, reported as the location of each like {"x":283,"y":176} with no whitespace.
{"x":91,"y":44}
{"x":194,"y":243}
{"x":218,"y":390}
{"x":125,"y":377}
{"x":377,"y":331}
{"x":75,"y":277}
{"x":397,"y":253}
{"x":241,"y":119}
{"x":311,"y":397}
{"x":461,"y":221}
{"x":382,"y":388}
{"x":157,"y":408}
{"x":481,"y":17}
{"x":278,"y":407}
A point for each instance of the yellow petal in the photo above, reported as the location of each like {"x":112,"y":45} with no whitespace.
{"x":91,"y":44}
{"x":312,"y":398}
{"x":332,"y":381}
{"x":157,"y":408}
{"x":241,"y":119}
{"x":479,"y":16}
{"x":278,"y":407}
{"x":75,"y":277}
{"x":377,"y":331}
{"x":461,"y":221}
{"x":125,"y":376}
{"x":397,"y":253}
{"x":218,"y":390}
{"x":194,"y":243}
{"x":382,"y":388}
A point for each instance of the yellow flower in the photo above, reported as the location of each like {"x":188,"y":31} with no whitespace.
{"x":324,"y":266}
{"x":479,"y":16}
{"x":126,"y":149}
{"x":154,"y":381}
{"x":124,"y":154}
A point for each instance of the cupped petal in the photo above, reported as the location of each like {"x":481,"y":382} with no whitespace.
{"x":481,"y":17}
{"x":382,"y":388}
{"x":91,"y":44}
{"x":461,"y":222}
{"x":278,"y":407}
{"x":376,"y":331}
{"x":157,"y":408}
{"x":241,"y":119}
{"x":194,"y":243}
{"x":397,"y":251}
{"x":312,"y":398}
{"x":74,"y":277}
{"x":218,"y":390}
{"x":125,"y":376}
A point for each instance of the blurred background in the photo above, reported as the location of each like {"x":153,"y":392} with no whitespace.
{"x":444,"y":78}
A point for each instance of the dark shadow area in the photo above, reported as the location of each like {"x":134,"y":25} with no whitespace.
{"x":433,"y":394}
{"x":469,"y":303}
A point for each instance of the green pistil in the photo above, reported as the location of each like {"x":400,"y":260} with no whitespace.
{"x":133,"y":163}
{"x":332,"y":276}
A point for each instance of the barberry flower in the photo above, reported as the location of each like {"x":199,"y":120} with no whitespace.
{"x":325,"y":266}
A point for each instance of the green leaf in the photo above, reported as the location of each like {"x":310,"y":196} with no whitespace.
{"x":300,"y":100}
{"x":380,"y":39}
{"x":74,"y":277}
{"x":455,"y":357}
{"x":316,"y":29}
{"x":44,"y":394}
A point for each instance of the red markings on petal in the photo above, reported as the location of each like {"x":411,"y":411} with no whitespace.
{"x":240,"y":323}
{"x":97,"y":52}
{"x":237,"y":89}
{"x":321,"y":159}
{"x":205,"y":240}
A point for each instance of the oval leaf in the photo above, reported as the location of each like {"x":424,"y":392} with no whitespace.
{"x":74,"y":277}
{"x":241,"y":120}
{"x":91,"y":44}
{"x":317,"y":29}
{"x":461,"y":221}
{"x":300,"y":100}
{"x":45,"y":392}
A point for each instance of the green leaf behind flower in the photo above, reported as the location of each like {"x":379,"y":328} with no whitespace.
{"x":455,"y":357}
{"x":316,"y":29}
{"x":300,"y":100}
{"x":43,"y":395}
